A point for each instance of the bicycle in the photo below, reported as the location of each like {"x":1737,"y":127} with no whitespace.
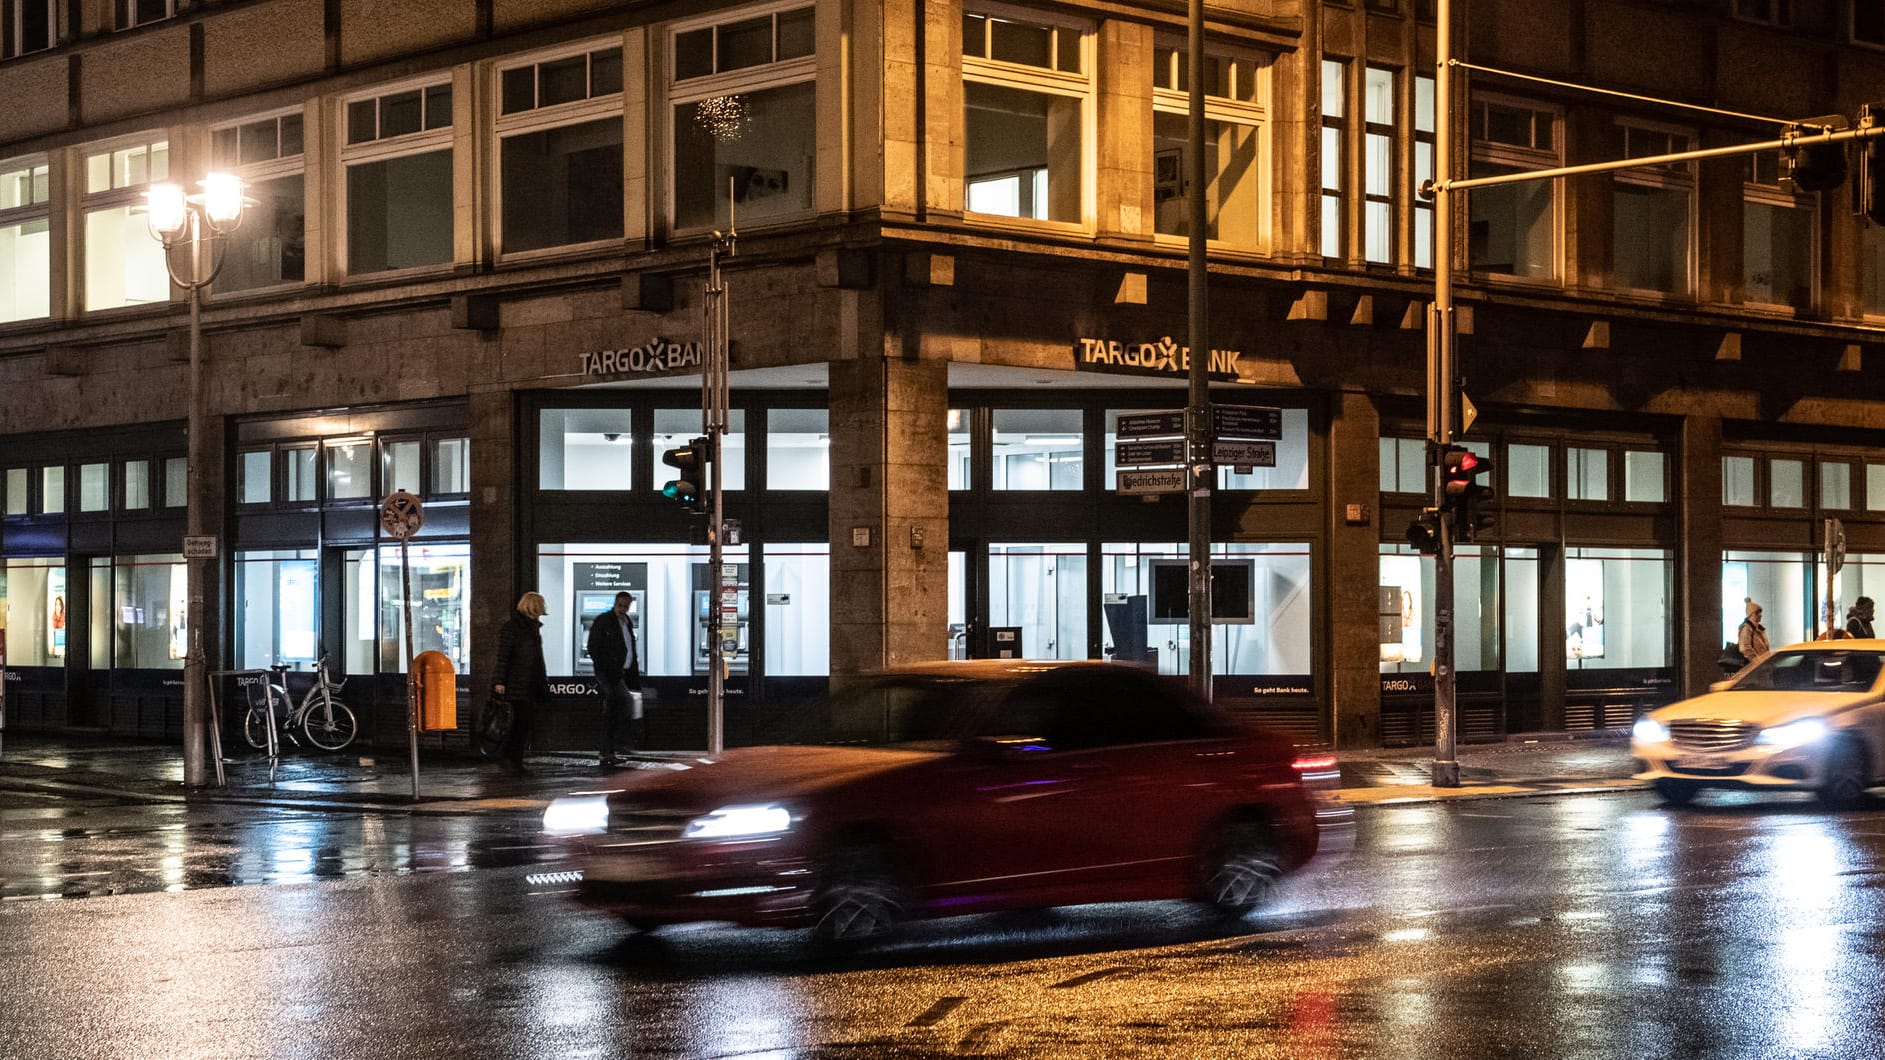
{"x":328,"y":723}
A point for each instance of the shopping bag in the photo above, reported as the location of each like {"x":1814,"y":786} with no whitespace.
{"x":494,"y":726}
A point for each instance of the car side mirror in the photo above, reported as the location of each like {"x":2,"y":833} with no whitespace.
{"x":999,"y":750}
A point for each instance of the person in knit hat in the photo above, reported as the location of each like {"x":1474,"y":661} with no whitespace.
{"x":1752,"y":637}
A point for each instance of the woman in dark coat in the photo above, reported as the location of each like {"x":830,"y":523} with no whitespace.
{"x":519,"y":675}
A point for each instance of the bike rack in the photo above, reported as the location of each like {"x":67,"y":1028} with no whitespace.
{"x":252,"y":683}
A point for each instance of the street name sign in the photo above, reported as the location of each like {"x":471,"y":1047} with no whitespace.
{"x":1158,"y":480}
{"x":1138,"y":454}
{"x":1244,"y":454}
{"x":1246,"y":421}
{"x":1151,"y":424}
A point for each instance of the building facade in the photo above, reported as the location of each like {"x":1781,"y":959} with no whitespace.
{"x":473,"y":262}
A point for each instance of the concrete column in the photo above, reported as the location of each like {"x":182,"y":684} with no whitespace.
{"x":1354,"y":571}
{"x":495,"y":530}
{"x":1125,"y":130}
{"x":889,"y":514}
{"x":1697,"y":483}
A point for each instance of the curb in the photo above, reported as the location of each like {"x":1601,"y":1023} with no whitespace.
{"x":436,"y":808}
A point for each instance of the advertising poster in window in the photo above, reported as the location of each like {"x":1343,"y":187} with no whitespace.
{"x":55,"y":613}
{"x":1584,"y":609}
{"x":1400,"y":582}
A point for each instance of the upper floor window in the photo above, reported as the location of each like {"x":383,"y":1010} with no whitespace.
{"x":1235,"y":95}
{"x":744,"y":119}
{"x":1771,"y":12}
{"x":27,"y":26}
{"x":1377,"y":177}
{"x":124,"y":265}
{"x":1868,"y":22}
{"x":1026,"y":91}
{"x":1404,"y":465}
{"x":1872,"y":270}
{"x":1514,"y":228}
{"x":270,"y":246}
{"x":1652,"y":232}
{"x":1334,"y":157}
{"x":139,"y":12}
{"x":398,"y":160}
{"x":25,"y":240}
{"x":1423,"y":171}
{"x":560,"y":153}
{"x":1777,"y":237}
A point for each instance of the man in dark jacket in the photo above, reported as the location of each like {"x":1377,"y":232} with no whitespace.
{"x":519,"y":676}
{"x":1859,"y":619}
{"x":612,"y":649}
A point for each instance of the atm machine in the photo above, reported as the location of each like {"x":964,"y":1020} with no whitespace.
{"x":591,"y":603}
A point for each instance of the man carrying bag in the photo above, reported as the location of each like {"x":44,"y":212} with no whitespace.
{"x":612,"y":650}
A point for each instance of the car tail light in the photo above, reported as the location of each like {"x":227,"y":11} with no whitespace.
{"x":1316,"y":768}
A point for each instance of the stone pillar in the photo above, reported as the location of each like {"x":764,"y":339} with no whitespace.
{"x":1698,"y":604}
{"x":889,"y":514}
{"x":1125,"y":130}
{"x":495,"y":530}
{"x":1354,"y":571}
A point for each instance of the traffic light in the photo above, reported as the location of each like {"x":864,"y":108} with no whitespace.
{"x":690,"y":464}
{"x":1460,"y":469}
{"x":1816,"y":166}
{"x":1424,"y":532}
{"x":1868,"y":184}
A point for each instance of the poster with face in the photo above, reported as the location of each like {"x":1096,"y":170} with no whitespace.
{"x":179,"y":611}
{"x":1584,"y":609}
{"x":1400,"y":578}
{"x":55,"y":612}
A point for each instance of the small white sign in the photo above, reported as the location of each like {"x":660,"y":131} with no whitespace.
{"x":1156,"y":480}
{"x":200,"y":547}
{"x":1244,"y":454}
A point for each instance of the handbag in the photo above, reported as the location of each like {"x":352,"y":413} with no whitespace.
{"x":494,"y":726}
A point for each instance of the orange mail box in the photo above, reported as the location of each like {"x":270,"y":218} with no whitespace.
{"x":438,"y":692}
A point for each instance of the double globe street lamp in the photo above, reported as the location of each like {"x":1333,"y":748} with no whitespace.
{"x":199,"y":222}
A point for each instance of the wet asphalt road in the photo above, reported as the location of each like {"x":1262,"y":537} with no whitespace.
{"x":1574,"y":926}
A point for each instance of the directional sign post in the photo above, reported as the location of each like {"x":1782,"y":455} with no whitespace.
{"x":1244,"y":454}
{"x":1170,"y":424}
{"x":1153,"y":480}
{"x":1140,"y":454}
{"x":1247,"y":421}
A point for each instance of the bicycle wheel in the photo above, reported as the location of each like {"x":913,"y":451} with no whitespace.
{"x":253,"y":730}
{"x":255,"y":726}
{"x":329,"y":727}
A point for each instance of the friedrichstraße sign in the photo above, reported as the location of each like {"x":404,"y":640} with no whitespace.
{"x":1160,"y":357}
{"x":657,"y":356}
{"x":1152,"y":480}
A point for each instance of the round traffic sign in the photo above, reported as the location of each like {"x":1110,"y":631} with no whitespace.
{"x":401,"y":515}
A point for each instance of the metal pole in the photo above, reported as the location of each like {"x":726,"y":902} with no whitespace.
{"x":197,"y":571}
{"x":412,"y":676}
{"x":714,"y":399}
{"x":1443,"y":400}
{"x":1198,"y":404}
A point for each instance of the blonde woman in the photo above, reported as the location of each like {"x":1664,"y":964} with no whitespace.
{"x":519,"y":676}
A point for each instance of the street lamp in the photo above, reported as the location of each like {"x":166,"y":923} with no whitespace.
{"x":176,"y":220}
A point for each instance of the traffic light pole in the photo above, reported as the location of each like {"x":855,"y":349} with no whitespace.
{"x":1201,"y":468}
{"x":1442,"y":404}
{"x":713,"y":414}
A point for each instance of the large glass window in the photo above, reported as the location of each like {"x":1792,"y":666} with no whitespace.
{"x":675,"y":427}
{"x":1236,"y":92}
{"x":277,"y":619}
{"x":349,"y":470}
{"x":176,"y":482}
{"x":33,"y":603}
{"x":254,"y":477}
{"x":1406,"y":609}
{"x":1786,"y":483}
{"x":1781,"y":582}
{"x":441,"y":599}
{"x":1404,"y":465}
{"x":149,"y":599}
{"x":1643,"y":477}
{"x":124,"y":265}
{"x":270,"y":247}
{"x":961,"y":450}
{"x":1527,"y":470}
{"x":94,"y":487}
{"x":1334,"y":156}
{"x":1038,"y":449}
{"x":1777,"y":237}
{"x":798,"y":610}
{"x":25,"y":240}
{"x":1377,"y":156}
{"x":1292,"y":461}
{"x":52,"y":490}
{"x":745,"y":122}
{"x":672,"y":589}
{"x":585,"y":449}
{"x":451,"y":466}
{"x":1513,"y":229}
{"x":137,"y":485}
{"x":1040,"y":591}
{"x":1835,"y":485}
{"x":1651,"y":233}
{"x":1586,"y":474}
{"x":300,"y":479}
{"x":1617,"y":608}
{"x":798,"y":449}
{"x":1025,"y":92}
{"x":560,"y":130}
{"x":17,"y":481}
{"x":1423,"y":171}
{"x":1737,"y":481}
{"x":399,"y":179}
{"x":399,"y":467}
{"x":1261,"y":597}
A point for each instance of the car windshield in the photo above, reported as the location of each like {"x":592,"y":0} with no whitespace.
{"x":920,"y":711}
{"x":1812,"y":671}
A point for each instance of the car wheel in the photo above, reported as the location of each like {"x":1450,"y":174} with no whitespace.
{"x":1676,"y":792}
{"x":859,"y":898}
{"x":1241,"y":868}
{"x":1843,"y":786}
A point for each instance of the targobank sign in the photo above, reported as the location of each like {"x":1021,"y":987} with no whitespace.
{"x":657,"y":356}
{"x":1162,"y":357}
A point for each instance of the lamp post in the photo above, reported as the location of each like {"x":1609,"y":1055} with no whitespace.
{"x":182,"y":220}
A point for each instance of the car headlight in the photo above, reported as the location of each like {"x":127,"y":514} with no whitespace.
{"x":732,"y":822}
{"x":577,"y":815}
{"x":1649,"y":730}
{"x":1792,"y":734}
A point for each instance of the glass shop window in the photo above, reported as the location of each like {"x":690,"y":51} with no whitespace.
{"x":276,"y":618}
{"x":585,"y":449}
{"x":33,"y":602}
{"x":676,"y":427}
{"x":149,"y":597}
{"x":1038,"y":449}
{"x":798,"y":449}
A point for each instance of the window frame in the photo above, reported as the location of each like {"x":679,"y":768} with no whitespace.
{"x":386,"y":149}
{"x":126,"y":16}
{"x":33,"y":165}
{"x":1755,"y":191}
{"x":1083,"y":86}
{"x":539,"y":118}
{"x":1334,"y":189}
{"x":276,"y":168}
{"x":115,"y":197}
{"x":1390,"y":198}
{"x":1777,"y":13}
{"x":1421,"y":206}
{"x":1677,"y":176}
{"x":1252,"y":114}
{"x":1852,"y":25}
{"x":1482,"y":150}
{"x":12,"y":23}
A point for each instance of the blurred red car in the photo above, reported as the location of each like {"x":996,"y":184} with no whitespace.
{"x":968,"y":787}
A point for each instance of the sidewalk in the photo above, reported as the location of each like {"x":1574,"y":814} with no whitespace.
{"x":1540,"y":764}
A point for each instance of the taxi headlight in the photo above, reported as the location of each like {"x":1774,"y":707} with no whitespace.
{"x":1792,"y":734}
{"x":1649,"y":730}
{"x":577,"y":815}
{"x":734,"y":822}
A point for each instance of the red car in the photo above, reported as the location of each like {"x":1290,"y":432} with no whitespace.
{"x":963,"y":788}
